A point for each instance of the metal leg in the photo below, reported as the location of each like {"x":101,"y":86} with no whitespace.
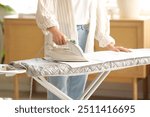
{"x":91,"y":85}
{"x":31,"y":88}
{"x":88,"y":92}
{"x":94,"y":85}
{"x":52,"y":88}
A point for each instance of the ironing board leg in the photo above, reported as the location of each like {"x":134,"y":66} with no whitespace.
{"x":86,"y":95}
{"x":94,"y":85}
{"x":41,"y":80}
{"x":91,"y":85}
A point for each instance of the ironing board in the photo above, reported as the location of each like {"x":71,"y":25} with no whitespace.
{"x":102,"y":62}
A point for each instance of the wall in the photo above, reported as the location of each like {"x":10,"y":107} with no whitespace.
{"x":1,"y":41}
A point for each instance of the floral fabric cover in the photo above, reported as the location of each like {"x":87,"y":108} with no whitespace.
{"x":98,"y":62}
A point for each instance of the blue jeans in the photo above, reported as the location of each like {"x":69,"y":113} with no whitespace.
{"x":73,"y":86}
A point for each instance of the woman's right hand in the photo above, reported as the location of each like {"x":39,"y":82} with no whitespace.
{"x":58,"y":37}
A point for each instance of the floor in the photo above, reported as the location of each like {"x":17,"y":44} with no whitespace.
{"x":7,"y":95}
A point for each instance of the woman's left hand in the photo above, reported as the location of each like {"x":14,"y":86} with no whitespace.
{"x":117,"y":48}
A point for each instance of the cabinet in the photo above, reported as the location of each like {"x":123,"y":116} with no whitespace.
{"x":131,"y":34}
{"x":24,"y":40}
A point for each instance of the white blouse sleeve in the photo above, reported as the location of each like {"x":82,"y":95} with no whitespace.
{"x":103,"y":25}
{"x":45,"y":15}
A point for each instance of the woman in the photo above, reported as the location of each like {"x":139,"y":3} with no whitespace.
{"x":80,"y":20}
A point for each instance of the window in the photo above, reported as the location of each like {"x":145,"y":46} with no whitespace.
{"x":22,"y":6}
{"x":144,"y":5}
{"x":145,"y":9}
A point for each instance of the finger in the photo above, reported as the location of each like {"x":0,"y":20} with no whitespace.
{"x":116,"y":50}
{"x":58,"y":40}
{"x":55,"y":41}
{"x":64,"y":41}
{"x":123,"y":49}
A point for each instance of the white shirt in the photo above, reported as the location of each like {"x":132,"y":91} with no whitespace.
{"x":60,"y":13}
{"x":81,"y":11}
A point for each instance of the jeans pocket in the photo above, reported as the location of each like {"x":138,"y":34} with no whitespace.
{"x":83,"y":27}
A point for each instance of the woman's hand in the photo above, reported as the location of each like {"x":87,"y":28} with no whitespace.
{"x":117,"y":48}
{"x":58,"y":37}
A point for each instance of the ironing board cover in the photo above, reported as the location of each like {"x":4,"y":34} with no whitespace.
{"x":97,"y":62}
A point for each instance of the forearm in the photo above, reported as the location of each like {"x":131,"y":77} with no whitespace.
{"x":45,"y":17}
